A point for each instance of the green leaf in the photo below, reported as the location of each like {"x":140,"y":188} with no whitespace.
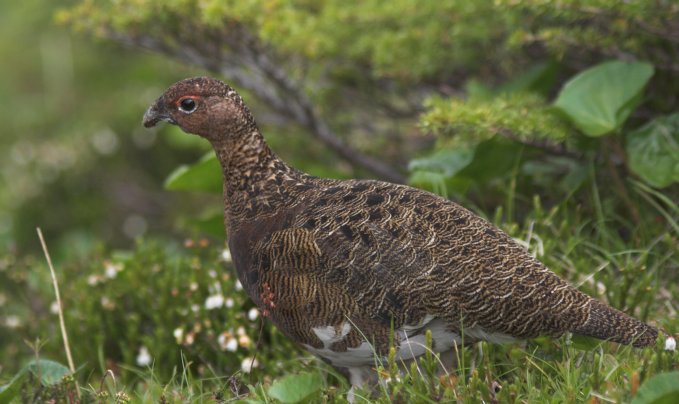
{"x":662,"y":388}
{"x":12,"y":389}
{"x":600,"y":99}
{"x":482,"y":162}
{"x":585,"y":343}
{"x":50,"y":372}
{"x":211,"y":222}
{"x":295,"y":388}
{"x":447,"y":162}
{"x":493,"y":158}
{"x":203,"y":176}
{"x":538,"y":78}
{"x":653,"y":151}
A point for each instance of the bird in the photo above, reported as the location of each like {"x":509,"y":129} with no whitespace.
{"x":349,"y":268}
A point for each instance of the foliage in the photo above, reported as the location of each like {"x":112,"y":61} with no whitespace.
{"x":54,"y":379}
{"x":189,"y":307}
{"x":653,"y":151}
{"x":600,"y":99}
{"x":73,"y":157}
{"x":295,"y":388}
{"x":521,"y":116}
{"x":354,"y":78}
{"x":659,"y":389}
{"x":203,"y":176}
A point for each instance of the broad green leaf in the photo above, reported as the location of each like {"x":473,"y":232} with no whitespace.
{"x":567,"y":174}
{"x":434,"y":171}
{"x":662,"y":388}
{"x":653,"y":151}
{"x":585,"y":343}
{"x":538,"y":78}
{"x":493,"y":158}
{"x":295,"y":388}
{"x":482,"y":162}
{"x":600,"y":99}
{"x":204,"y":176}
{"x":447,"y":162}
{"x":9,"y":391}
{"x":50,"y":372}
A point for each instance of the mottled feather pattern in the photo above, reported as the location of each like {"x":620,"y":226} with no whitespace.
{"x":347,"y":262}
{"x":391,"y":253}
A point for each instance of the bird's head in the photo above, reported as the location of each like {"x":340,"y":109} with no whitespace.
{"x":203,"y":106}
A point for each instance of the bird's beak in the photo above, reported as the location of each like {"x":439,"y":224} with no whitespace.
{"x":154,"y":115}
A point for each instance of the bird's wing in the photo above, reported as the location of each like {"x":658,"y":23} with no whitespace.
{"x":404,"y":255}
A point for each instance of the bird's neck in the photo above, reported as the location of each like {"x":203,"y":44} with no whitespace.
{"x":253,"y":175}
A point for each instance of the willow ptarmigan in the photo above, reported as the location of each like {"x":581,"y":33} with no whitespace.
{"x":337,"y":264}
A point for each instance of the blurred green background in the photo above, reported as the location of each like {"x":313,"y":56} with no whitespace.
{"x":74,"y":158}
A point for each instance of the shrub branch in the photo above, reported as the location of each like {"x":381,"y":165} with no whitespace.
{"x":238,"y":55}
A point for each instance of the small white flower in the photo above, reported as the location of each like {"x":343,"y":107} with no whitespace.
{"x":12,"y":321}
{"x":232,"y":345}
{"x":92,"y":280}
{"x":215,"y":288}
{"x":107,"y":303}
{"x":226,"y":255}
{"x":143,"y":357}
{"x":253,"y":313}
{"x":227,"y":343}
{"x":178,"y":335}
{"x":193,"y":287}
{"x":670,"y":344}
{"x":110,"y":271}
{"x":239,"y":286}
{"x":244,"y":341}
{"x":247,"y":364}
{"x":240,"y":330}
{"x":190,"y":338}
{"x":195,"y":308}
{"x":214,"y":302}
{"x":212,"y":273}
{"x":228,"y":302}
{"x":54,"y":307}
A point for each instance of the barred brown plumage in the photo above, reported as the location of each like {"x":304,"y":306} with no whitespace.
{"x":336,"y":264}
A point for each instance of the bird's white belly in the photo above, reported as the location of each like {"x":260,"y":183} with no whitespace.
{"x":410,"y":342}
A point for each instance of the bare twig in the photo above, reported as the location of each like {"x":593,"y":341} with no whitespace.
{"x":60,"y":309}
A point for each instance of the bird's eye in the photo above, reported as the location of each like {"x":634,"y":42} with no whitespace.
{"x":187,"y":105}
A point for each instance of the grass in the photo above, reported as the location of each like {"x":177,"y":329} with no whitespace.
{"x":155,"y":298}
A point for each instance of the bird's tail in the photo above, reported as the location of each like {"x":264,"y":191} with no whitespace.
{"x":607,"y":323}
